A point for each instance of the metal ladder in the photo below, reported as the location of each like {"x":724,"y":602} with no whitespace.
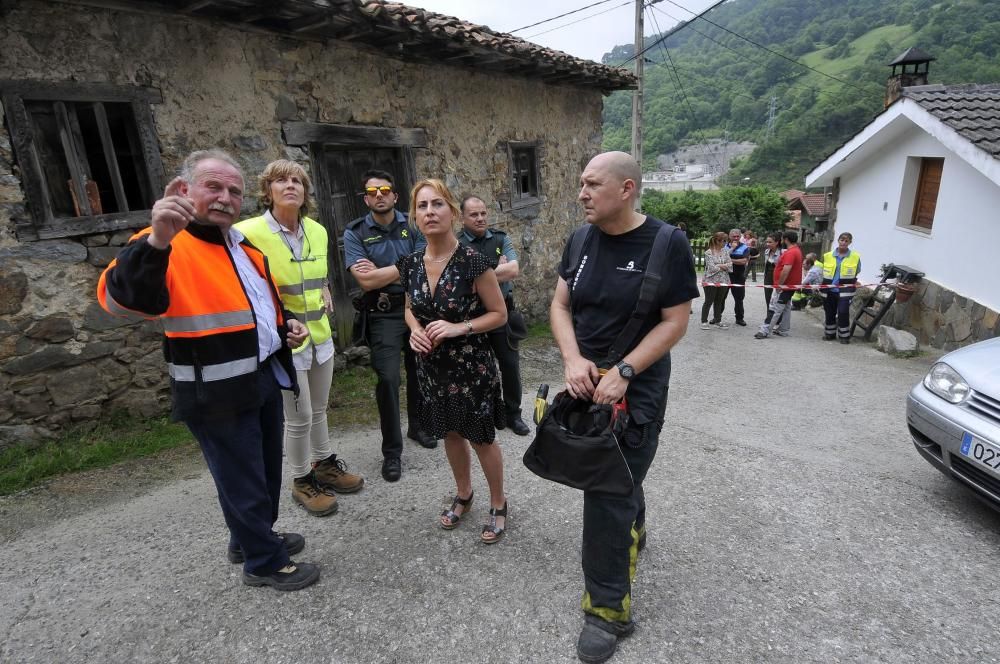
{"x":878,"y":303}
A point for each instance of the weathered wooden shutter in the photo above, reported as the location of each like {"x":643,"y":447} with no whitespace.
{"x":927,"y":192}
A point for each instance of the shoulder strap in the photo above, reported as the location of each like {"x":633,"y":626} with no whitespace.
{"x":647,"y":294}
{"x":578,"y":242}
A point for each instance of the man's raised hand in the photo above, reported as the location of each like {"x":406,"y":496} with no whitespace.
{"x":171,"y":214}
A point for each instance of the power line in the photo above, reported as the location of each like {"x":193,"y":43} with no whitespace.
{"x":745,"y":57}
{"x":560,"y":16}
{"x":638,"y":48}
{"x":580,"y":20}
{"x":773,"y":52}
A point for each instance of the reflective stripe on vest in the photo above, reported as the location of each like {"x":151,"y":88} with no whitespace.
{"x":211,"y":372}
{"x":300,"y":283}
{"x":112,"y":307}
{"x":848,"y":266}
{"x":207,"y":321}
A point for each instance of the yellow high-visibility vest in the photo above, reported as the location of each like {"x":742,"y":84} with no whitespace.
{"x":848,"y":267}
{"x":300,"y":282}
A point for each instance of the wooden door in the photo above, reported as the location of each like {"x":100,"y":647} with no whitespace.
{"x":337,"y":171}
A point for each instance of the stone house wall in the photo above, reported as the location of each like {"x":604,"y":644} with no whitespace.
{"x":939,"y":317}
{"x":62,"y":360}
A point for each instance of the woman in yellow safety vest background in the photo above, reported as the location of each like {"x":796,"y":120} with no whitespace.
{"x":840,"y":270}
{"x":297,"y":247}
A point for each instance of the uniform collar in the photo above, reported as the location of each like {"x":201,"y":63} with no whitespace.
{"x":472,"y":238}
{"x":371,"y":223}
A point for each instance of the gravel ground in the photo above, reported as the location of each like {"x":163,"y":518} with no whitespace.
{"x":790,"y":521}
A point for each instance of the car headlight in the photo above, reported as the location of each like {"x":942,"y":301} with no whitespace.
{"x":947,"y":383}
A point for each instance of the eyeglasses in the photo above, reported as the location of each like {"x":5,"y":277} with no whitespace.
{"x":385,"y":190}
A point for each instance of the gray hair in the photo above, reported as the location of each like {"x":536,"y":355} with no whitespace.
{"x":191,"y":162}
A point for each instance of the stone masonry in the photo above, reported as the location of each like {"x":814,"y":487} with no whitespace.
{"x":62,"y":359}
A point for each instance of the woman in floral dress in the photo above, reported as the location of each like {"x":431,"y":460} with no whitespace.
{"x":452,"y":300}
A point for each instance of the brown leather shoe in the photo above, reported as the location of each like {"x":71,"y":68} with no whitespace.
{"x":331,"y":475}
{"x":316,"y":502}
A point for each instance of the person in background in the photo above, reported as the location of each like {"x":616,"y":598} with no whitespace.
{"x":718,"y":266}
{"x":296,"y":247}
{"x":750,"y":239}
{"x":841,"y":268}
{"x":453,"y":299}
{"x":498,"y":251}
{"x":787,"y":273}
{"x":813,"y":277}
{"x":741,"y":255}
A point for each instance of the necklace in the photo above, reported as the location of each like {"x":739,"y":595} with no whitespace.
{"x":443,"y":258}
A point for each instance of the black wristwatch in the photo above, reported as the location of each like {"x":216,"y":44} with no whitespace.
{"x":625,"y":370}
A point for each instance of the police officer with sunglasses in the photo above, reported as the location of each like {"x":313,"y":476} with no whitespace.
{"x":372,"y":245}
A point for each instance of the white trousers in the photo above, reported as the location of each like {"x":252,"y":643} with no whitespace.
{"x":307,"y":436}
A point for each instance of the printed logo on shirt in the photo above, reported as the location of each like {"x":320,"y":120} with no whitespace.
{"x":629,"y":267}
{"x":404,"y":233}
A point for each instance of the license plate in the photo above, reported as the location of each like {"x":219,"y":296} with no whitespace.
{"x":980,"y":451}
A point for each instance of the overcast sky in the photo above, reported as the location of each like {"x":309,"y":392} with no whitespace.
{"x":610,"y":23}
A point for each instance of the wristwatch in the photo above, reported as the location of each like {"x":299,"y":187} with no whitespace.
{"x":626,"y":370}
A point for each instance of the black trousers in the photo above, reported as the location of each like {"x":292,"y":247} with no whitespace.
{"x":243,"y":453}
{"x":739,"y":293}
{"x":715,"y":299}
{"x":612,"y":526}
{"x":509,"y":363}
{"x":389,"y":337}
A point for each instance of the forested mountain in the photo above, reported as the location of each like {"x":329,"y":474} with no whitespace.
{"x":709,"y":81}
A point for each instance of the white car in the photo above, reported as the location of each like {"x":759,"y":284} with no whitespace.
{"x":954,"y":417}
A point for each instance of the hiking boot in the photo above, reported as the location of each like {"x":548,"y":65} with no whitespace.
{"x":293,"y":576}
{"x":306,"y":493}
{"x":760,"y":335}
{"x":779,"y":333}
{"x":741,"y":323}
{"x":599,"y":638}
{"x":331,"y":475}
{"x":294,"y":543}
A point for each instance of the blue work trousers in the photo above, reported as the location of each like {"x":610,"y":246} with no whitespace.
{"x":243,"y":453}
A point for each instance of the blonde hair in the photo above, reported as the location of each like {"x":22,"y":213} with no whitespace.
{"x":718,"y":240}
{"x":283,"y":168}
{"x":442,"y":190}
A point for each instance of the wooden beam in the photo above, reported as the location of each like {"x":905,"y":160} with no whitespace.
{"x":110,"y":156}
{"x":308,"y":23}
{"x":304,"y":133}
{"x":34,"y":90}
{"x":104,"y":223}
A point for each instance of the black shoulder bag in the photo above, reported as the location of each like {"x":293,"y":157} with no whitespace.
{"x":576,"y":441}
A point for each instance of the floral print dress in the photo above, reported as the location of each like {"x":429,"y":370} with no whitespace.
{"x":459,"y":383}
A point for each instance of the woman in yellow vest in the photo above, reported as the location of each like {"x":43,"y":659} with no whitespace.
{"x":296,"y":247}
{"x":840,"y":271}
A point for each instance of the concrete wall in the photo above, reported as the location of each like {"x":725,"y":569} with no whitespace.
{"x":61,"y":359}
{"x":957,"y":253}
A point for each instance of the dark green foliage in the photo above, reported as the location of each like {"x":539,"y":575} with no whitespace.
{"x":721,"y":85}
{"x":704,"y":212}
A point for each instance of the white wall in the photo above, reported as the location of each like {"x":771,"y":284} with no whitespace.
{"x":959,"y":252}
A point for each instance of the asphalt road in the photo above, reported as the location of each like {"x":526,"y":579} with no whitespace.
{"x":790,"y":520}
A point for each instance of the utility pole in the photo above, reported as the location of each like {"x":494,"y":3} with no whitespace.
{"x":771,"y":112}
{"x":637,"y":94}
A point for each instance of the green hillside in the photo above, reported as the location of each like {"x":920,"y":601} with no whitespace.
{"x":708,"y":81}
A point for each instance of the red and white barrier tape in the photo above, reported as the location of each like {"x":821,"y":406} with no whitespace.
{"x":799,"y":287}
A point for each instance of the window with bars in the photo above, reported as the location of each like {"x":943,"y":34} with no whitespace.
{"x":88,"y":156}
{"x":524,"y":169}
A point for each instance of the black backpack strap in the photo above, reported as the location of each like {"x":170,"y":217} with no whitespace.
{"x":578,"y":242}
{"x":647,"y":294}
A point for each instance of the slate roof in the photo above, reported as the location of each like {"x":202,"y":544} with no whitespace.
{"x":971,"y":110}
{"x":401,"y":32}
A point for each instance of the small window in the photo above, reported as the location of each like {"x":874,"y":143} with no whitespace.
{"x":88,"y":157}
{"x":919,"y":193}
{"x":927,"y":192}
{"x":525,"y":188}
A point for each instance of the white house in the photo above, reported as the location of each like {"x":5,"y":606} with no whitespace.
{"x":920,"y":186}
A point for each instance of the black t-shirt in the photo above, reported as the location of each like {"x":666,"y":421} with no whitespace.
{"x":604,"y":290}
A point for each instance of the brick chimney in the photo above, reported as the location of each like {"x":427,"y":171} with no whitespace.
{"x":908,"y":69}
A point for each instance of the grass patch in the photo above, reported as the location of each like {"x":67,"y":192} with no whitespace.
{"x":112,"y":441}
{"x":352,"y":397}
